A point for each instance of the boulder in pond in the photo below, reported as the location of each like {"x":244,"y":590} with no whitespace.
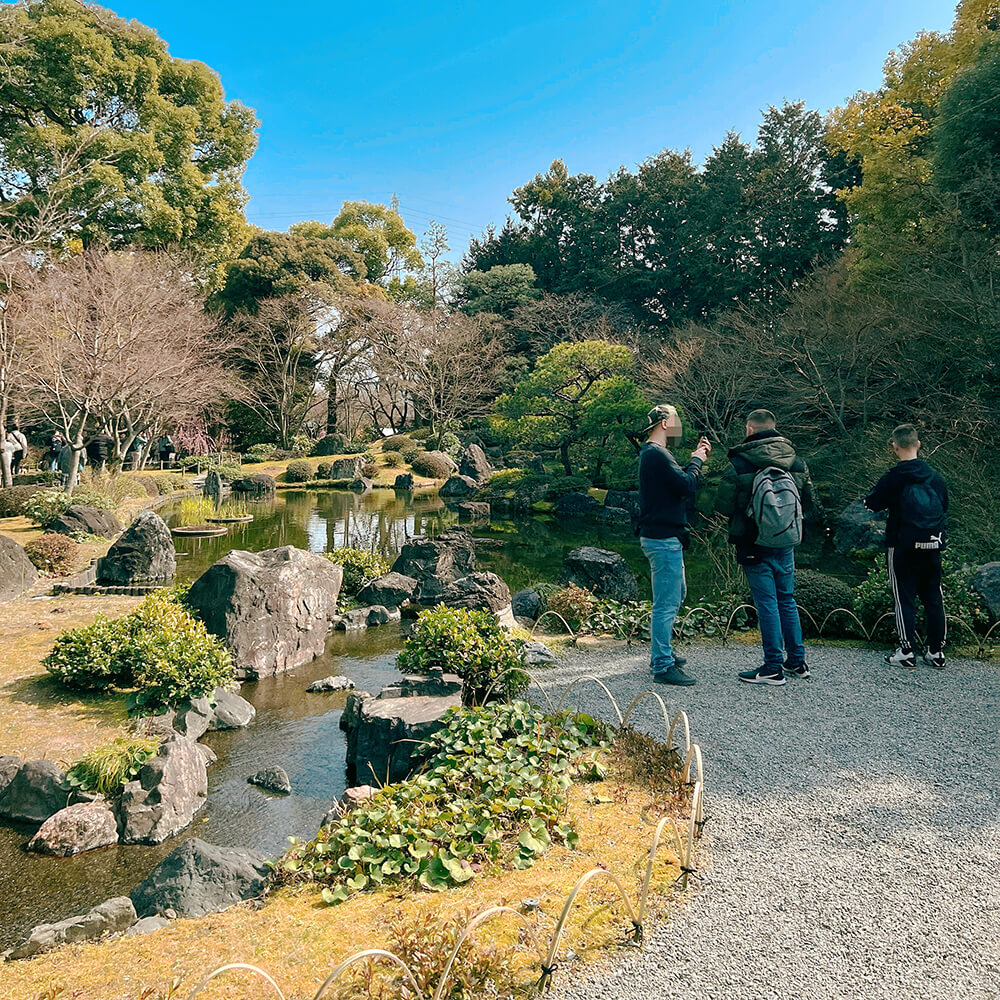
{"x":144,"y":553}
{"x":858,"y":529}
{"x":90,"y":520}
{"x":200,"y":878}
{"x":403,"y":482}
{"x":165,"y":795}
{"x":230,"y":711}
{"x":473,"y":510}
{"x":346,"y":468}
{"x":474,"y":464}
{"x":38,"y":790}
{"x":436,"y":562}
{"x":360,"y":485}
{"x":577,"y":505}
{"x":458,"y":486}
{"x":110,"y":917}
{"x":480,"y":591}
{"x":273,"y":609}
{"x":84,"y":826}
{"x":17,"y":572}
{"x":214,"y":487}
{"x":272,"y":779}
{"x":602,"y":572}
{"x":985,"y":581}
{"x":528,"y":603}
{"x":335,"y":682}
{"x":260,"y":484}
{"x":389,"y":591}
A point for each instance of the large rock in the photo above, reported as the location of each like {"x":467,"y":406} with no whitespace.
{"x":403,"y":482}
{"x":346,"y":468}
{"x":165,"y":795}
{"x":360,"y":485}
{"x":110,"y":917}
{"x":37,"y":791}
{"x":200,"y":878}
{"x":214,"y":486}
{"x":623,"y":500}
{"x":9,"y":766}
{"x":473,"y":510}
{"x":272,"y":608}
{"x":477,"y":592}
{"x":528,"y":603}
{"x":143,"y":554}
{"x":985,"y":581}
{"x":90,"y":520}
{"x":335,"y":682}
{"x":272,"y":778}
{"x":84,"y":826}
{"x":858,"y":529}
{"x":259,"y":484}
{"x":436,"y":562}
{"x":575,"y":505}
{"x":474,"y":464}
{"x":17,"y":572}
{"x":389,"y":591}
{"x":604,"y":573}
{"x":230,"y":711}
{"x":458,"y":486}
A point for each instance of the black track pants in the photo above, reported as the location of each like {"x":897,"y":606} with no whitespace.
{"x":913,"y":574}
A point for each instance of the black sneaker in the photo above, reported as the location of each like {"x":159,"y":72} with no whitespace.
{"x":673,"y":675}
{"x":763,"y":675}
{"x":798,"y":669}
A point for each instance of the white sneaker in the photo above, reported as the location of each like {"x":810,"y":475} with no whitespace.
{"x":901,"y":658}
{"x":935,"y":660}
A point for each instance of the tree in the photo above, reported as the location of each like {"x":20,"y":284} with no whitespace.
{"x":379,"y":236}
{"x":434,"y":246}
{"x":163,"y":145}
{"x":500,"y":290}
{"x":577,"y":392}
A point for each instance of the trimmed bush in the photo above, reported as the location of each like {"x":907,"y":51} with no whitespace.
{"x":323,"y":470}
{"x":13,"y":499}
{"x":52,"y":553}
{"x":409,"y":454}
{"x":821,"y":594}
{"x":263,"y":452}
{"x":302,"y":445}
{"x":419,"y":433}
{"x":329,"y":444}
{"x":562,"y":486}
{"x":393,"y":459}
{"x":397,"y":442}
{"x":472,"y":644}
{"x":298,"y":472}
{"x":107,"y":769}
{"x":434,"y":464}
{"x":360,"y":567}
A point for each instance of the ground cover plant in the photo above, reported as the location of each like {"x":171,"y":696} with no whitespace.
{"x":52,"y":553}
{"x":360,"y":567}
{"x":106,"y":769}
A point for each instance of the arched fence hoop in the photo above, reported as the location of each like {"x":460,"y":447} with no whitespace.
{"x":600,"y":684}
{"x":243,"y":966}
{"x":368,"y":954}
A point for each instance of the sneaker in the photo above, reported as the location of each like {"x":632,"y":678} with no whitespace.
{"x":901,"y":658}
{"x":673,"y":675}
{"x":798,"y":670}
{"x":935,"y":660}
{"x":763,"y":675}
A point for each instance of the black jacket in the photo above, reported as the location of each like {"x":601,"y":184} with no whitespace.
{"x":887,"y":491}
{"x":666,"y":493}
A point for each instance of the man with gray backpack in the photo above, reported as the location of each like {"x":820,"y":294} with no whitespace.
{"x":762,"y":493}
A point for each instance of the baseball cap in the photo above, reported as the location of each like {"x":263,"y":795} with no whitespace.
{"x":659,"y":413}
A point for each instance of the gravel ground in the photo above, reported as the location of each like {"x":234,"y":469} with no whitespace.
{"x":853,"y":830}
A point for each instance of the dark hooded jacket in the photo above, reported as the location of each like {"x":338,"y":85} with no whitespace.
{"x":888,"y":490}
{"x":763,"y":450}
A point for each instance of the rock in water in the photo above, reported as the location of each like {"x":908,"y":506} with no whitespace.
{"x":577,"y":505}
{"x":200,"y":878}
{"x":858,"y":529}
{"x":111,"y":916}
{"x":403,"y":482}
{"x":17,"y":572}
{"x":37,"y":791}
{"x":477,"y":592}
{"x":473,"y":510}
{"x":75,"y":829}
{"x":360,"y":485}
{"x":436,"y":562}
{"x":230,"y":711}
{"x":272,"y":778}
{"x":143,"y":554}
{"x":90,"y":520}
{"x":474,"y":464}
{"x":458,"y":486}
{"x":165,"y":795}
{"x":260,"y":484}
{"x":604,"y":573}
{"x":335,"y":682}
{"x":272,"y":608}
{"x":388,"y":591}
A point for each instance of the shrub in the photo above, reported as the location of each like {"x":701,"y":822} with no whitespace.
{"x":193,"y":510}
{"x":259,"y":453}
{"x":393,"y":459}
{"x":435,"y":464}
{"x":821,"y":594}
{"x":106,"y":769}
{"x":228,"y":470}
{"x":369,"y":470}
{"x":329,"y":444}
{"x":45,"y":507}
{"x":562,"y":486}
{"x":14,"y":498}
{"x":573,"y":603}
{"x":44,"y":478}
{"x":52,"y":553}
{"x":354,"y":447}
{"x":420,"y":433}
{"x":409,"y":454}
{"x":148,"y":484}
{"x":298,"y":472}
{"x":360,"y":567}
{"x":472,"y":644}
{"x":450,"y":444}
{"x":503,"y":479}
{"x":624,"y":620}
{"x":170,"y":482}
{"x":397,"y":442}
{"x":302,"y":445}
{"x":323,"y":470}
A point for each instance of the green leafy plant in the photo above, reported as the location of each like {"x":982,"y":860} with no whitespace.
{"x":106,"y":769}
{"x":624,"y":620}
{"x":821,"y":594}
{"x":262,"y":452}
{"x":574,"y":604}
{"x":450,"y":444}
{"x":193,"y":510}
{"x":360,"y":567}
{"x":472,"y":644}
{"x":299,"y":471}
{"x":562,"y":486}
{"x":52,"y":553}
{"x":301,"y":445}
{"x":45,"y":507}
{"x":409,"y":454}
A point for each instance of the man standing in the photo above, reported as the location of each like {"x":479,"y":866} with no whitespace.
{"x":917,"y":500}
{"x":666,"y":498}
{"x":762,"y":493}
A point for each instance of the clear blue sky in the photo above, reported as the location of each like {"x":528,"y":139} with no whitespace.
{"x":452,"y":105}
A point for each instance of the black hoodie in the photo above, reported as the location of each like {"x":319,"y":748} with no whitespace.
{"x":887,"y":492}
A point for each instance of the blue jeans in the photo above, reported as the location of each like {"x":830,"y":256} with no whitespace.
{"x":772,"y":583}
{"x":666,"y":566}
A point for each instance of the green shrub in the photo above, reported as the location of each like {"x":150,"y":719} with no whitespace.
{"x":472,"y":644}
{"x":302,"y":445}
{"x":170,"y":482}
{"x":107,"y":769}
{"x":562,"y":486}
{"x":148,"y":483}
{"x":821,"y":594}
{"x":420,"y":433}
{"x":451,"y":445}
{"x":369,"y":470}
{"x":89,"y":497}
{"x":434,"y":464}
{"x":409,"y":454}
{"x":574,"y":604}
{"x":46,"y":506}
{"x":397,"y":442}
{"x":298,"y":472}
{"x":259,"y":453}
{"x":360,"y":567}
{"x":504,"y":479}
{"x":623,"y":620}
{"x":52,"y":553}
{"x":492,"y":793}
{"x":392,"y":459}
{"x":89,"y":657}
{"x":323,"y":470}
{"x":14,"y":498}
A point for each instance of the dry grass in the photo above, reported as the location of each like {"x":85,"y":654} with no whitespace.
{"x":298,"y":940}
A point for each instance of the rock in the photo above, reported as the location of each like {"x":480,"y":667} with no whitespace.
{"x":213,"y":484}
{"x":75,"y":829}
{"x":537,"y":654}
{"x":473,"y":510}
{"x":17,"y":572}
{"x":91,"y":520}
{"x":380,"y":615}
{"x":458,"y":486}
{"x":478,"y":592}
{"x":335,"y":682}
{"x":434,"y":685}
{"x":985,"y":581}
{"x":109,"y":917}
{"x":614,"y":517}
{"x":404,"y":481}
{"x":208,"y":755}
{"x":858,"y":528}
{"x":436,"y":562}
{"x":604,"y":573}
{"x":143,"y":554}
{"x":577,"y":505}
{"x":165,"y":795}
{"x":272,"y":778}
{"x":360,"y":485}
{"x":272,"y":608}
{"x":346,"y":468}
{"x":230,"y":711}
{"x":623,"y":500}
{"x":474,"y":464}
{"x":348,"y":802}
{"x":389,"y":591}
{"x":259,"y":484}
{"x":154,"y":725}
{"x":352,"y":621}
{"x":193,"y":717}
{"x":9,"y":766}
{"x":528,"y":603}
{"x":38,"y":790}
{"x":146,"y":925}
{"x":200,"y":878}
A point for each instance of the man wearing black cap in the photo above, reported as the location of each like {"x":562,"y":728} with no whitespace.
{"x":666,"y":495}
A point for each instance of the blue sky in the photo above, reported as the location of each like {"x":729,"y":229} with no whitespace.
{"x":454,"y":105}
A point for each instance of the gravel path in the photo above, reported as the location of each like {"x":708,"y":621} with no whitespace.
{"x":853,"y":831}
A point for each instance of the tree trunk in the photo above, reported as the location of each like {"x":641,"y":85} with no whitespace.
{"x":332,"y":389}
{"x":564,"y":456}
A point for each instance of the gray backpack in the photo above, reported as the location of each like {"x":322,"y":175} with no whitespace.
{"x":776,"y":508}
